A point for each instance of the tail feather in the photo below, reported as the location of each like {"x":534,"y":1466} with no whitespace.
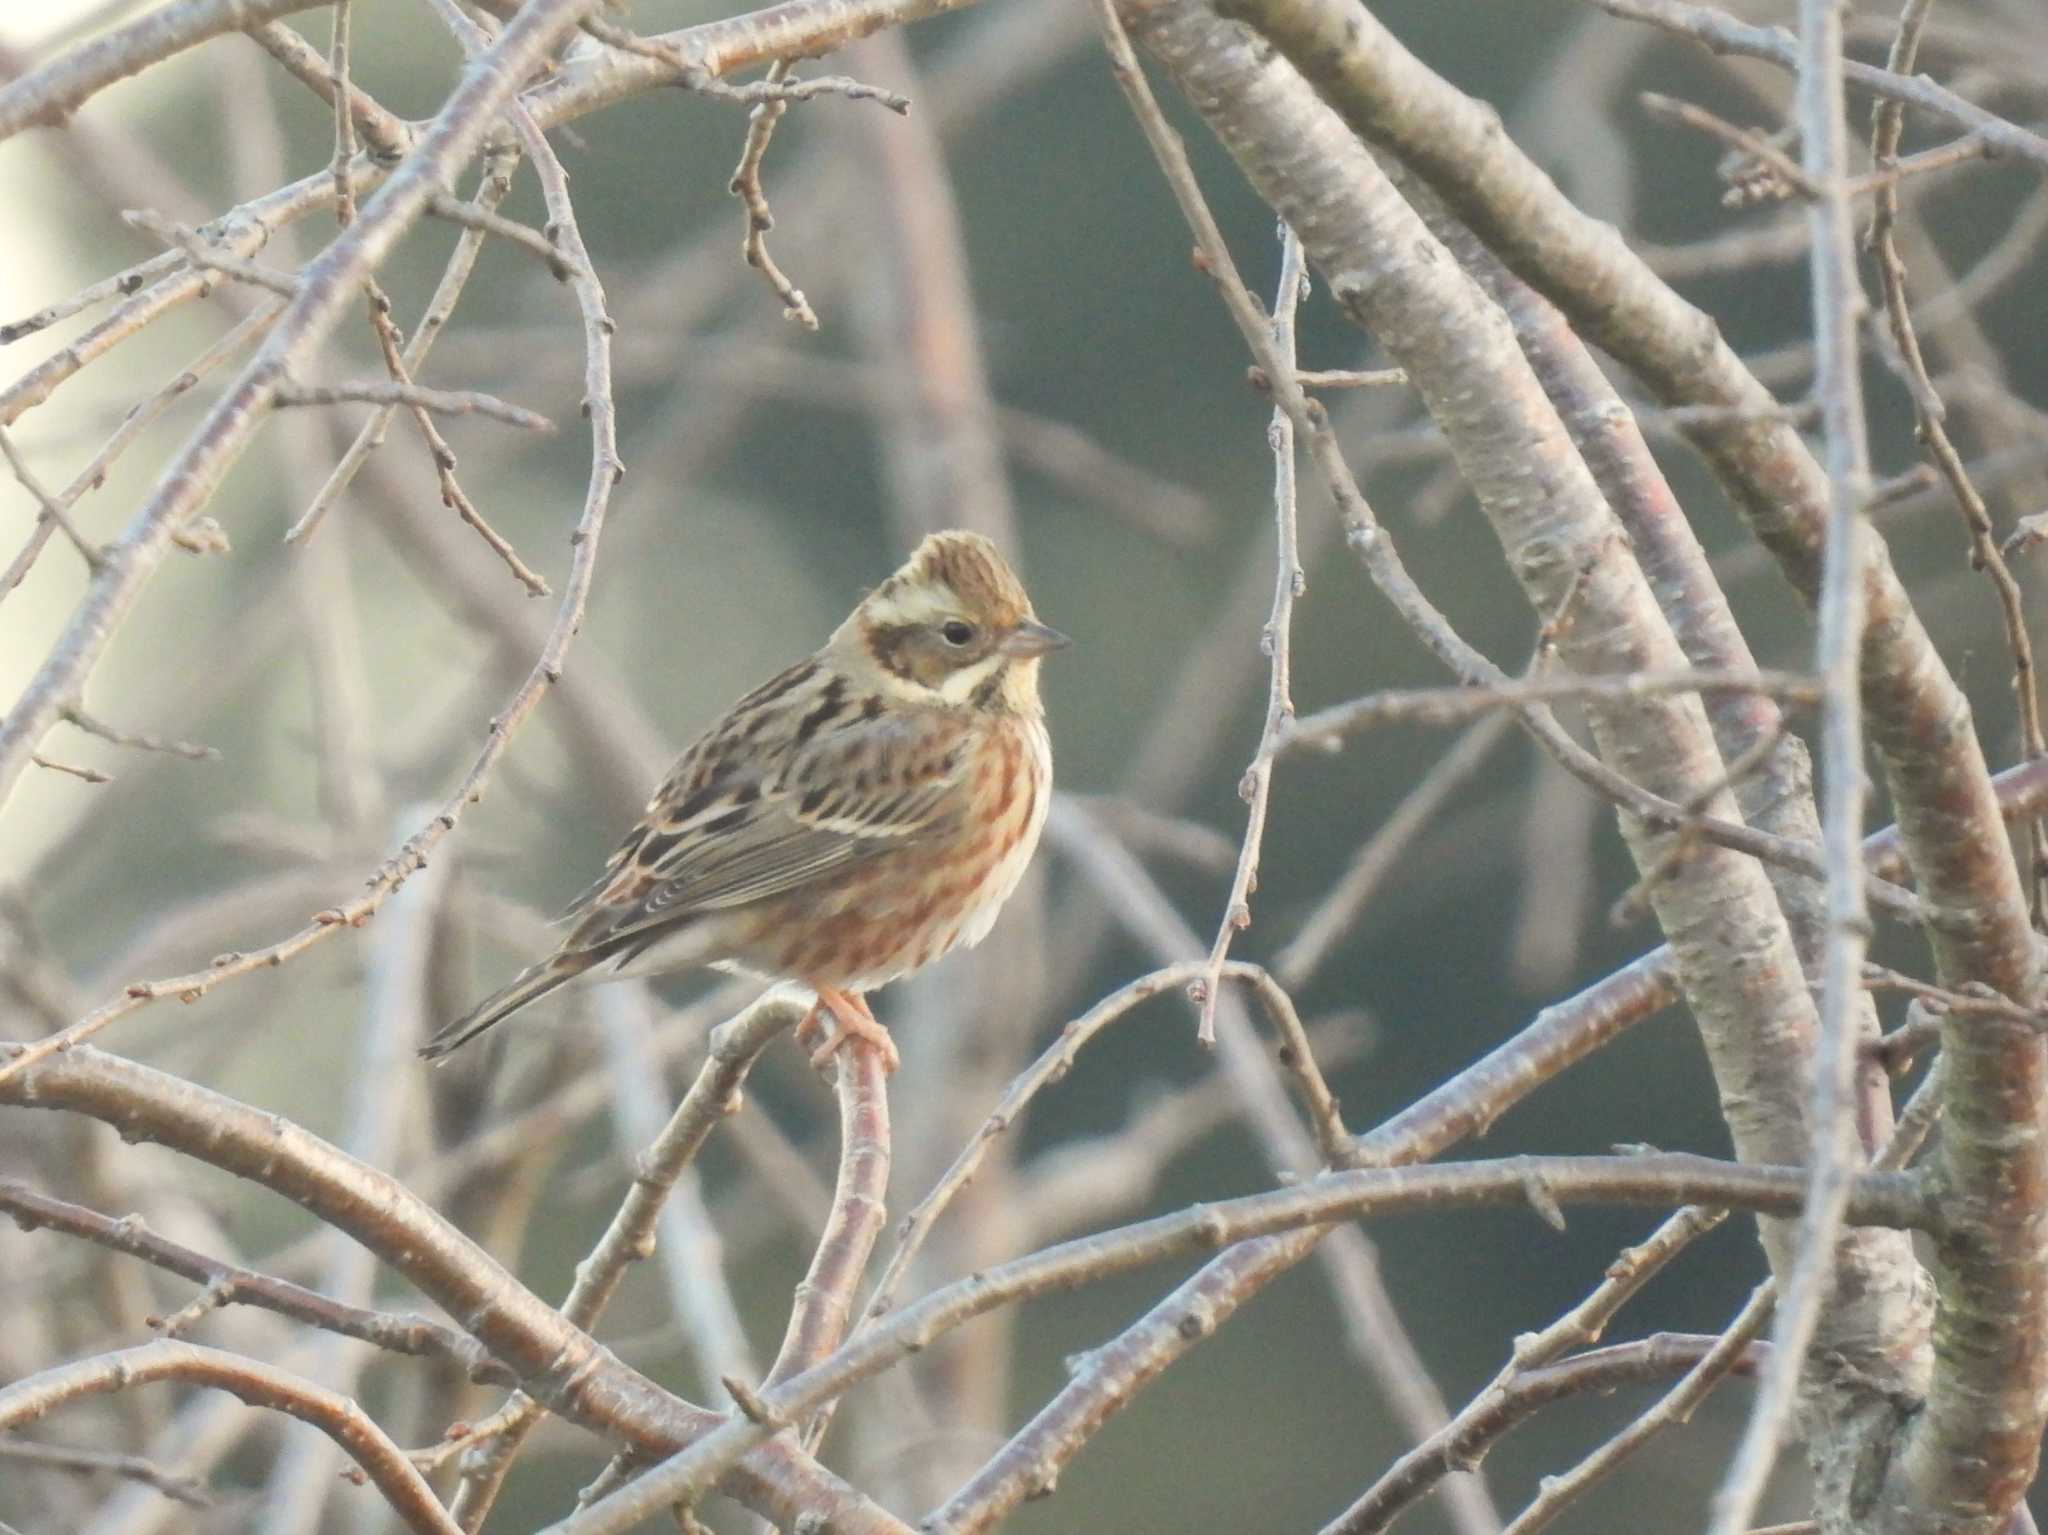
{"x":532,"y":983}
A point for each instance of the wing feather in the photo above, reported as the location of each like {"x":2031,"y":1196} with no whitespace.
{"x":753,"y":811}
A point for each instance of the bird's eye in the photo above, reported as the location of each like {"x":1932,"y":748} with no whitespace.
{"x":957,"y":632}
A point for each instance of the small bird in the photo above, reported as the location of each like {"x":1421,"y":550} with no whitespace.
{"x":845,"y":823}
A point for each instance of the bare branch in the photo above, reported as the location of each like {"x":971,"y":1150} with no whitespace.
{"x":1887,"y":1198}
{"x":258,"y":1384}
{"x":52,"y":93}
{"x":447,"y":402}
{"x":746,"y":186}
{"x":1276,"y":639}
{"x":1724,"y":34}
{"x":388,"y":136}
{"x":135,"y":1468}
{"x":413,"y":1335}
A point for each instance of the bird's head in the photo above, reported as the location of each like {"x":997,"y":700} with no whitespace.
{"x":954,"y":628}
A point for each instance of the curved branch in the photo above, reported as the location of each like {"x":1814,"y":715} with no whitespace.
{"x":46,"y":96}
{"x":824,"y":1298}
{"x":555,"y":1361}
{"x":258,"y":1384}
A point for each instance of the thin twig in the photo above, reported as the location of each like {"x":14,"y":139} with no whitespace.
{"x":777,"y":88}
{"x":138,"y":419}
{"x":388,"y":135}
{"x":408,"y":1335}
{"x":1675,"y":1406}
{"x":120,"y":285}
{"x":1838,"y":307}
{"x":485,"y":220}
{"x":187,"y":1490}
{"x":138,"y":740}
{"x":1276,"y":640}
{"x":1915,"y":1122}
{"x":53,"y":765}
{"x":1454,"y":705}
{"x":746,"y":186}
{"x":203,"y":253}
{"x":53,"y":511}
{"x":496,"y":185}
{"x":447,"y":402}
{"x":344,"y":116}
{"x":1726,"y":34}
{"x":1779,"y":165}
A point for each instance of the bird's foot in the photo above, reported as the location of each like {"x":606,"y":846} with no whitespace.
{"x":841,"y":1016}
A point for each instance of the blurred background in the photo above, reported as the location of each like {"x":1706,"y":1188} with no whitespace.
{"x":1013,"y":338}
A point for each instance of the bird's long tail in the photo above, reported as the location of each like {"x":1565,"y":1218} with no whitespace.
{"x":533,"y":982}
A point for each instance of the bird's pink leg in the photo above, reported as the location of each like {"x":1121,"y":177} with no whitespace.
{"x":852,"y":1018}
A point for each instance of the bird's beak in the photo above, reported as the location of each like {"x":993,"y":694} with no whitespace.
{"x":1031,"y":638}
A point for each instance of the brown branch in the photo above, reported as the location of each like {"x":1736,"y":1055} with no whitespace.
{"x":1883,"y":1198}
{"x":1596,"y":1372}
{"x":413,"y":1335}
{"x":1464,"y":1107}
{"x":1931,"y":431}
{"x":258,"y":1384}
{"x":823,"y":1302}
{"x":1916,"y":716}
{"x":715,"y":1094}
{"x":46,"y":96}
{"x":550,"y":1354}
{"x":1676,"y":1406}
{"x":187,"y":1490}
{"x":388,"y":135}
{"x":746,"y":186}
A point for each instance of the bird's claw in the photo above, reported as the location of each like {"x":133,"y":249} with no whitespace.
{"x":849,"y":1020}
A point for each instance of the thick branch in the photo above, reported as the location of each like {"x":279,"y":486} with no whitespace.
{"x":1991,"y":1388}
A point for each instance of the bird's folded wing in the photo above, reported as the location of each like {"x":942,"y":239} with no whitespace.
{"x":749,"y":826}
